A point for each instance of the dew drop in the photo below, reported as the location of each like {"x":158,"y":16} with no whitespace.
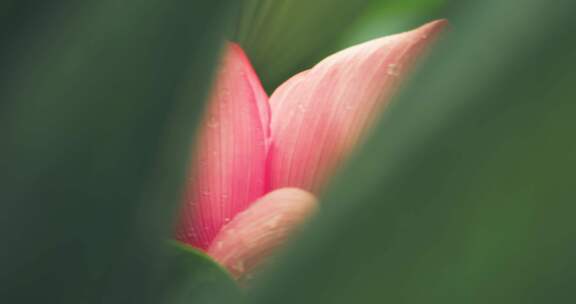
{"x":239,"y":266}
{"x":273,"y":222}
{"x":393,"y":70}
{"x":224,"y":97}
{"x":225,"y":92}
{"x":219,"y":244}
{"x":212,"y":122}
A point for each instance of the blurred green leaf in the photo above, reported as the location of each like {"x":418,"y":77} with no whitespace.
{"x":283,"y":37}
{"x":389,"y":17}
{"x":98,"y":105}
{"x":465,"y":191}
{"x":190,"y":274}
{"x":287,"y":36}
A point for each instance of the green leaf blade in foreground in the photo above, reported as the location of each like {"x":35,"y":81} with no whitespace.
{"x":464,"y":193}
{"x":98,"y":105}
{"x":190,"y":274}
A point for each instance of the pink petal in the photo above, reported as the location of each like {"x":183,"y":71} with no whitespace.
{"x":252,"y":236}
{"x":228,"y":172}
{"x":318,"y":116}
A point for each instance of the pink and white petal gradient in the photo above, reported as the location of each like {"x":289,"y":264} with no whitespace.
{"x":257,"y":232}
{"x":228,"y":172}
{"x":249,"y":146}
{"x":319,"y":115}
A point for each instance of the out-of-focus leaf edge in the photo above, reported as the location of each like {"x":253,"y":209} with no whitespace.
{"x":197,"y":254}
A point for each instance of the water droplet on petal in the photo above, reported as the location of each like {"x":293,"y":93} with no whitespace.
{"x":273,"y":222}
{"x":393,"y":69}
{"x":239,"y":266}
{"x":212,"y":122}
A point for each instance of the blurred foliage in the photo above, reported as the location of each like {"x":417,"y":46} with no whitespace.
{"x":283,"y":37}
{"x":389,"y":17}
{"x":98,"y":105}
{"x":465,"y":192}
{"x":190,"y":275}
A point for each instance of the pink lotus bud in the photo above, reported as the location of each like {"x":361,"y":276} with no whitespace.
{"x":249,"y":146}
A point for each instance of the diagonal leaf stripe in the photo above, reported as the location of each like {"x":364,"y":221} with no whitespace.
{"x":98,"y":105}
{"x":464,"y":193}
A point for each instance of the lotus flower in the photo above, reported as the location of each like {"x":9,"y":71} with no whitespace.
{"x":260,"y":160}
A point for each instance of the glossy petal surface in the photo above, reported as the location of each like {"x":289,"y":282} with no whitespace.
{"x":228,"y":172}
{"x":254,"y":235}
{"x":319,"y":115}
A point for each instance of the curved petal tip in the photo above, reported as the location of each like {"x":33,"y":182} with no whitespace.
{"x":320,"y":115}
{"x":229,"y":170}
